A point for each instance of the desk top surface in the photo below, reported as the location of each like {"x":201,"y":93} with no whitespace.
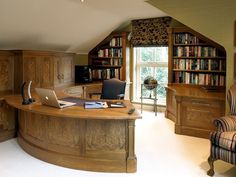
{"x":197,"y":92}
{"x":75,"y":111}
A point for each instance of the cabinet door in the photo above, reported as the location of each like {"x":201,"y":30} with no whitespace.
{"x":6,"y":74}
{"x":31,"y":70}
{"x":68,"y":69}
{"x":46,"y":78}
{"x":7,"y":121}
{"x":63,"y":70}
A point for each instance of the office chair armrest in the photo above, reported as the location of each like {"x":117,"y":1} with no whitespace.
{"x":227,"y":123}
{"x":121,"y":96}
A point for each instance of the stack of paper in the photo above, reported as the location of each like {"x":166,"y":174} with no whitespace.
{"x":95,"y":105}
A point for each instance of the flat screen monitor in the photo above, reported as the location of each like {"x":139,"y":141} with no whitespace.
{"x":82,"y":74}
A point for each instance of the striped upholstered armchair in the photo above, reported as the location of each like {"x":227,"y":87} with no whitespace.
{"x":223,"y":140}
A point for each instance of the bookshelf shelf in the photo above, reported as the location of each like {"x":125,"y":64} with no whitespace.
{"x":106,"y":66}
{"x":222,"y":58}
{"x":200,"y":71}
{"x":108,"y":59}
{"x":195,"y":59}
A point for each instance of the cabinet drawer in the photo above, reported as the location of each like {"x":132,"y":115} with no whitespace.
{"x":204,"y":103}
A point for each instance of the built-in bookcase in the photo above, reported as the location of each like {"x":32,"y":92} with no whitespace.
{"x":108,"y":58}
{"x":194,"y":59}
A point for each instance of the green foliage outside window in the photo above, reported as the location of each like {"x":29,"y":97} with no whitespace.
{"x":152,"y":61}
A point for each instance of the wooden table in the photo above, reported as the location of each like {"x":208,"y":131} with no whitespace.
{"x":94,"y":139}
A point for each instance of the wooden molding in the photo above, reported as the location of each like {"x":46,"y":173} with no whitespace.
{"x":234,"y":33}
{"x":234,"y":66}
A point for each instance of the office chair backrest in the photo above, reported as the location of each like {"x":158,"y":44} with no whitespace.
{"x":113,"y":89}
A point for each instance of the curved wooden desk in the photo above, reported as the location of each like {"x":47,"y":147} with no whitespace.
{"x":95,"y":139}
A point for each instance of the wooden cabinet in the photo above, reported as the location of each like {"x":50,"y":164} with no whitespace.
{"x":196,"y":66}
{"x":7,"y":121}
{"x":108,"y":58}
{"x":6,"y":70}
{"x":45,"y":69}
{"x":38,"y":68}
{"x":64,"y":70}
{"x":7,"y":118}
{"x":193,"y":110}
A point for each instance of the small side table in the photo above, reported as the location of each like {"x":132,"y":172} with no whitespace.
{"x":150,"y":97}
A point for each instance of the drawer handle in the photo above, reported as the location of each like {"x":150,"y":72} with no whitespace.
{"x":200,"y":110}
{"x":200,"y":103}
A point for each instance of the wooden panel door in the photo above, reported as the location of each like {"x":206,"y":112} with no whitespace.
{"x":6,"y":71}
{"x":46,"y":71}
{"x":31,"y":70}
{"x":63,"y":70}
{"x":7,"y":121}
{"x":68,"y":69}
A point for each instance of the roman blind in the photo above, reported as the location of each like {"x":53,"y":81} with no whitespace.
{"x":150,"y":32}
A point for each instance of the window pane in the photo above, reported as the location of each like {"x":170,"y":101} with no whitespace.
{"x":150,"y":61}
{"x":147,"y":54}
{"x":161,"y":74}
{"x":153,"y":54}
{"x":146,"y":71}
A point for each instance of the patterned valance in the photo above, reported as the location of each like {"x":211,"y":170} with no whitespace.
{"x":150,"y":32}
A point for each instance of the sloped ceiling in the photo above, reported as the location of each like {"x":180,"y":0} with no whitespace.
{"x":214,"y":19}
{"x":66,"y":25}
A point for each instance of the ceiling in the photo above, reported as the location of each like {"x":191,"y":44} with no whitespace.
{"x":66,"y":25}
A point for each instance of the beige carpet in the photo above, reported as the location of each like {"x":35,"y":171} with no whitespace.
{"x":160,"y":153}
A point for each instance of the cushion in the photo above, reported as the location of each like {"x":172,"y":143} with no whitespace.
{"x":227,"y":123}
{"x":226,"y":140}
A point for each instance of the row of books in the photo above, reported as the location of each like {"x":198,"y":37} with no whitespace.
{"x":116,"y":42}
{"x":186,"y":38}
{"x":199,"y":78}
{"x":195,"y":51}
{"x":105,"y":73}
{"x":113,"y":52}
{"x":199,"y":64}
{"x":111,"y":62}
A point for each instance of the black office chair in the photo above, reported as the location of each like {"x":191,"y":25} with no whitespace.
{"x":113,"y":89}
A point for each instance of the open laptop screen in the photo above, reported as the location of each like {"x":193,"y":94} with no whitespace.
{"x":48,"y":97}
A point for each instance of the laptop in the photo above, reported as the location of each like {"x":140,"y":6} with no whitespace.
{"x":48,"y":97}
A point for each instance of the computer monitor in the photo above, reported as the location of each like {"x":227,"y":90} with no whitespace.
{"x":83,"y":74}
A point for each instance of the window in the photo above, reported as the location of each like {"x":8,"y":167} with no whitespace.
{"x":150,"y":61}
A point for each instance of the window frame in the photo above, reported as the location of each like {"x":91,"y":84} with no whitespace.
{"x":137,"y":65}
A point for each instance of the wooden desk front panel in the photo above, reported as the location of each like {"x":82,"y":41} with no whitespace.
{"x":171,"y":105}
{"x":193,"y":110}
{"x":201,"y":113}
{"x":96,"y":145}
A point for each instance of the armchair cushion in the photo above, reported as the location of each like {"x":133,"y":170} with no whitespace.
{"x":225,"y":140}
{"x":227,"y":123}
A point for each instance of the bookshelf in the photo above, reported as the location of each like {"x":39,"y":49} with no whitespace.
{"x":108,"y":59}
{"x":196,"y":82}
{"x":195,"y":60}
